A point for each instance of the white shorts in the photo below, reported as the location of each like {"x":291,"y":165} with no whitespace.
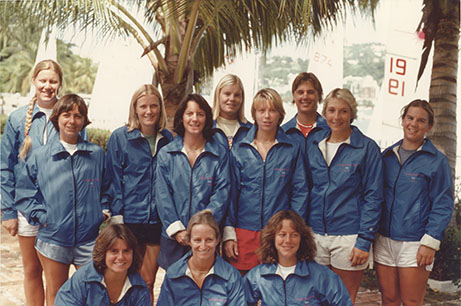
{"x":24,"y":228}
{"x":335,"y":250}
{"x":395,"y":253}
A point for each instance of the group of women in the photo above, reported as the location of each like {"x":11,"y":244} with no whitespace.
{"x":259,"y":186}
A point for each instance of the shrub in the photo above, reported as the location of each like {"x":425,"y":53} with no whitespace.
{"x":447,"y":262}
{"x":99,"y":137}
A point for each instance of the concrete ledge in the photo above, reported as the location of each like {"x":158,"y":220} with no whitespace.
{"x":443,"y":286}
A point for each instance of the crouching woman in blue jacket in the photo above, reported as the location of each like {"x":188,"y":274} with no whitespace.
{"x":60,"y":190}
{"x":112,"y":277}
{"x":288,"y":274}
{"x":418,"y":193}
{"x":201,"y":277}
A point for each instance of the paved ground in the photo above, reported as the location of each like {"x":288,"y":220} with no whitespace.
{"x":12,"y":293}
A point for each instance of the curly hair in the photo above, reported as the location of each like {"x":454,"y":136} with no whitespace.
{"x":106,"y":240}
{"x":268,"y":253}
{"x":178,"y":125}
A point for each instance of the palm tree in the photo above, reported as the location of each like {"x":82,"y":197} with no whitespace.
{"x":190,"y":38}
{"x":440,"y":24}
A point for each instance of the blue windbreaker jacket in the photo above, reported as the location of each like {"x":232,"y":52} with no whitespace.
{"x":311,"y":284}
{"x":222,"y":287}
{"x":12,"y":139}
{"x":130,"y":169}
{"x":219,"y":136}
{"x":84,"y":288}
{"x":291,"y":129}
{"x":346,"y":197}
{"x":261,"y":189}
{"x":418,"y":194}
{"x":182,"y":190}
{"x":63,"y":192}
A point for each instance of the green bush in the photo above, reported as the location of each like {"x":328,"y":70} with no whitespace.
{"x":99,"y":137}
{"x":3,"y":118}
{"x":447,"y":264}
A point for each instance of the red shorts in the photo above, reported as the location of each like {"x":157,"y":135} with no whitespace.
{"x":247,"y":243}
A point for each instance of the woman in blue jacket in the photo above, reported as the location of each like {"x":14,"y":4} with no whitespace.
{"x":307,"y":94}
{"x":418,"y":193}
{"x":112,"y":277}
{"x":60,"y":189}
{"x":130,"y":168}
{"x":192,"y":174}
{"x":27,"y":129}
{"x":345,"y":177}
{"x":288,"y":274}
{"x":202,"y":277}
{"x":268,"y":174}
{"x":230,"y":125}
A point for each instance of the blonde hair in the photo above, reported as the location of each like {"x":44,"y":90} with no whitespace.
{"x":228,"y":80}
{"x":204,"y":217}
{"x":345,"y":95}
{"x":47,"y":64}
{"x":272,"y":98}
{"x":144,"y":90}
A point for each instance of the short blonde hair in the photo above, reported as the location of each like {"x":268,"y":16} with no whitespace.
{"x":272,"y":98}
{"x":345,"y":95}
{"x":228,"y":80}
{"x":204,"y":217}
{"x":144,"y":90}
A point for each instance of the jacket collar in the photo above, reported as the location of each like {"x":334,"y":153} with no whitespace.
{"x":136,"y":133}
{"x":57,"y":147}
{"x":427,"y":147}
{"x":356,"y":139}
{"x":178,"y":143}
{"x":301,"y":269}
{"x":280,"y":137}
{"x":93,"y":276}
{"x":179,"y":269}
{"x":320,"y":123}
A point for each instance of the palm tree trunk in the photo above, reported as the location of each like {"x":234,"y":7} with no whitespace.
{"x":442,"y":92}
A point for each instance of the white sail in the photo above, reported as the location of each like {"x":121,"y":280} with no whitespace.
{"x":403,"y":53}
{"x":326,"y":58}
{"x":121,"y":71}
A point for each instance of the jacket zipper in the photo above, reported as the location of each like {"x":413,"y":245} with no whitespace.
{"x":151,"y":181}
{"x":285,"y":291}
{"x":75,"y":198}
{"x":262,"y":200}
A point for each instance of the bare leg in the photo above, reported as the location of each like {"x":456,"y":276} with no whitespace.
{"x":413,"y":285}
{"x":33,"y":282}
{"x":388,"y":278}
{"x":149,"y":267}
{"x":351,"y":280}
{"x":56,"y":274}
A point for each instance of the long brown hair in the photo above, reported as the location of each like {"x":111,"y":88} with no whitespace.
{"x":268,"y":253}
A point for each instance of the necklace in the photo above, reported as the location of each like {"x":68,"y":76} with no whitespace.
{"x":307,"y":126}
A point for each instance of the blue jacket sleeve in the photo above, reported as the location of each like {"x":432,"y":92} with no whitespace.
{"x":164,"y":192}
{"x":71,"y":293}
{"x":166,"y":297}
{"x":114,"y":176}
{"x":252,"y":294}
{"x":300,"y":190}
{"x":236,"y":295}
{"x":333,"y":290}
{"x":231,"y":218}
{"x":441,"y":196}
{"x":219,"y":199}
{"x":372,"y":196}
{"x":29,"y":200}
{"x":9,"y":150}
